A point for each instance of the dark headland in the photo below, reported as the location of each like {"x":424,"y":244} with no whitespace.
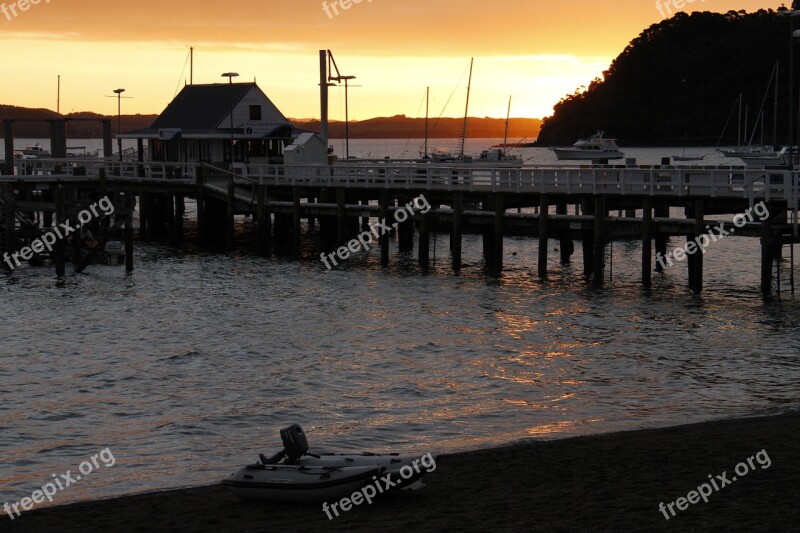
{"x":611,"y":482}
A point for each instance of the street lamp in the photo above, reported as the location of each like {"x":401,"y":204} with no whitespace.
{"x":230,"y":76}
{"x":119,"y":92}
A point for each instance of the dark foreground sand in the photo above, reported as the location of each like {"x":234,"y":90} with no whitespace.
{"x":606,"y":483}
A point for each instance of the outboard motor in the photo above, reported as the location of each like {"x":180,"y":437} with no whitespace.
{"x":295,"y":443}
{"x":295,"y":446}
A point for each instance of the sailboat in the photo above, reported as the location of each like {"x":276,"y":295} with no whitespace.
{"x":764,"y":154}
{"x":691,"y":157}
{"x":496,"y":154}
{"x":495,"y":157}
{"x":442,"y":156}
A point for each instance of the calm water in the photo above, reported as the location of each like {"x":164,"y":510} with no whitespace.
{"x":188,"y":368}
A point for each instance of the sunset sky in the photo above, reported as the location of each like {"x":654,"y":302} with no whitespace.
{"x":536,"y":50}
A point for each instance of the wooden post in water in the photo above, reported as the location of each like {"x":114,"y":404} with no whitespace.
{"x":587,"y":241}
{"x":129,"y":203}
{"x":77,"y":244}
{"x":488,"y":233}
{"x":365,"y":220}
{"x":261,"y":220}
{"x":565,"y":244}
{"x":455,"y":238}
{"x":660,"y":238}
{"x":767,"y":254}
{"x":296,"y":222}
{"x":60,"y":244}
{"x":405,"y":230}
{"x":647,"y":242}
{"x":231,"y":214}
{"x":425,"y":240}
{"x":180,"y":211}
{"x":341,"y":217}
{"x":598,"y":267}
{"x":499,"y":213}
{"x":697,"y":257}
{"x":384,"y":238}
{"x":199,"y":193}
{"x":544,"y":212}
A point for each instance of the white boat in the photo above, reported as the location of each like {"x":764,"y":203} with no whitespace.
{"x":594,"y":148}
{"x":34,"y":152}
{"x":766,"y":158}
{"x":750,"y":151}
{"x":295,"y":476}
{"x":297,"y":484}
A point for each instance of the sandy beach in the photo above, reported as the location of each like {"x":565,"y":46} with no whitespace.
{"x":606,"y":482}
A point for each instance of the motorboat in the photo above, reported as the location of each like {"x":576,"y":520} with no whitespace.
{"x":295,"y":476}
{"x":596,"y":147}
{"x":34,"y":152}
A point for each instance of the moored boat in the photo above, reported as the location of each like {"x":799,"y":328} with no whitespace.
{"x":596,"y":147}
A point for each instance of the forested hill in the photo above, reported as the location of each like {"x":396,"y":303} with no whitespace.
{"x":682,"y":77}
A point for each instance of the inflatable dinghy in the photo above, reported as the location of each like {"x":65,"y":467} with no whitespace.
{"x":295,"y":476}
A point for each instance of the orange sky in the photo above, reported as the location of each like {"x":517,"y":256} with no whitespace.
{"x":535,"y":50}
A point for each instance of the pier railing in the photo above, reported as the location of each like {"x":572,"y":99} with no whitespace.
{"x":727,"y":182}
{"x":652,"y":181}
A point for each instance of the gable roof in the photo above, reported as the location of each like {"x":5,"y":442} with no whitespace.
{"x":202,"y":107}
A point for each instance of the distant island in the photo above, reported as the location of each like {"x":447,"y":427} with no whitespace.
{"x":679,"y":82}
{"x":397,"y":127}
{"x":402,"y":127}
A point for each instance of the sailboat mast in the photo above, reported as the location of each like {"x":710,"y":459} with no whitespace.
{"x":775,"y":121}
{"x":191,"y":66}
{"x":739,"y":134}
{"x":466,"y":111}
{"x":427,"y":109}
{"x":508,"y":117}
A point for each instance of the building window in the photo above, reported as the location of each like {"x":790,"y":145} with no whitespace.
{"x":255,"y":112}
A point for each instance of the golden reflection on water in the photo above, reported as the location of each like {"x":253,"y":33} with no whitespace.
{"x":560,"y":427}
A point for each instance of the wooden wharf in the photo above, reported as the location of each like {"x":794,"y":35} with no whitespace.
{"x":595,"y":205}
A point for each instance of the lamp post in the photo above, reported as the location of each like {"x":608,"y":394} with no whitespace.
{"x":119,"y":92}
{"x":346,"y":115}
{"x":230,"y":76}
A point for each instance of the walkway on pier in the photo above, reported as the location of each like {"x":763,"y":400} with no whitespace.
{"x":279,"y":197}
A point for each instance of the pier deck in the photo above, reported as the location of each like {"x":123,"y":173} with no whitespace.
{"x":493,"y":200}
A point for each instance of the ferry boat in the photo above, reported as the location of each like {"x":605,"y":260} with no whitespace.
{"x":594,"y":148}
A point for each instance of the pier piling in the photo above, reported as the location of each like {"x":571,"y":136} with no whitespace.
{"x":457,"y":229}
{"x":544,"y":215}
{"x":647,"y":242}
{"x":598,"y":264}
{"x":499,"y":214}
